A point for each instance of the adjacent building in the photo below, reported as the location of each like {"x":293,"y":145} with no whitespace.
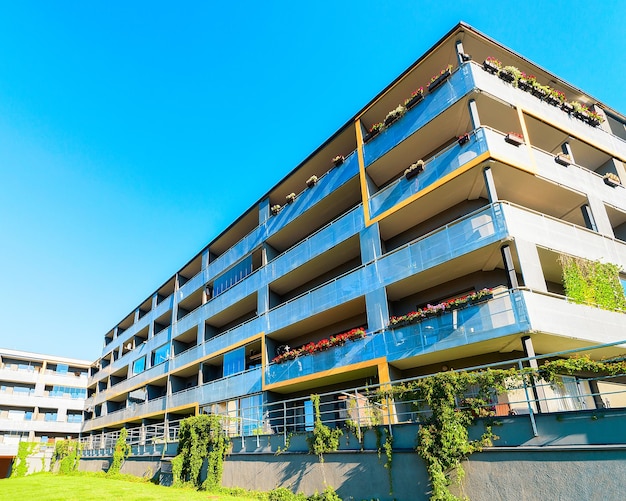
{"x":42,"y":399}
{"x":462,"y":184}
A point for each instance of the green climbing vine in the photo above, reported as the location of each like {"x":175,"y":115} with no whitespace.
{"x":443,"y":438}
{"x":322,"y":439}
{"x":20,"y":466}
{"x":201,"y":437}
{"x":120,"y":453}
{"x":67,"y":453}
{"x":592,"y":282}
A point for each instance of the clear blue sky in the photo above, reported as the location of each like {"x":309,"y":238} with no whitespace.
{"x":132,"y":133}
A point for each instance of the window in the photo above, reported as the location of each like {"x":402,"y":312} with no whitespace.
{"x":74,"y":418}
{"x":161,"y":354}
{"x":139,"y":365}
{"x":50,"y":416}
{"x":67,"y":392}
{"x":235,"y":361}
{"x":62,"y":368}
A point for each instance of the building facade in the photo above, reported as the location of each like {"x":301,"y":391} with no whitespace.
{"x":427,"y":233}
{"x":42,"y":399}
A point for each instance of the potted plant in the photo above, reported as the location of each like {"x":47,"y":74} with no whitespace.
{"x":555,"y":97}
{"x":567,"y":107}
{"x":480,"y":296}
{"x":526,"y":82}
{"x":594,"y":119}
{"x":437,"y":80}
{"x":563,"y":159}
{"x":312,"y":181}
{"x":338,"y":160}
{"x":374,"y":131}
{"x":580,"y":111}
{"x":611,"y":179}
{"x":394,"y":115}
{"x":492,"y":65}
{"x":275,"y":209}
{"x":290,"y":198}
{"x":510,"y":74}
{"x":463,"y":138}
{"x":414,"y":169}
{"x":416,"y":96}
{"x":514,"y":138}
{"x":540,"y":91}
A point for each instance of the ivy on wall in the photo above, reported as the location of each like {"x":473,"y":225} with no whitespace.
{"x":323,"y":439}
{"x":20,"y":466}
{"x":120,"y":453}
{"x":201,"y":437}
{"x":67,"y":452}
{"x":592,"y":282}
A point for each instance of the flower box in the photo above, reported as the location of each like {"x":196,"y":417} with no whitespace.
{"x":312,"y":181}
{"x":370,"y":135}
{"x":506,"y":75}
{"x":552,"y":100}
{"x":338,"y":160}
{"x":394,"y":115}
{"x":415,"y":99}
{"x":611,"y":179}
{"x":290,"y":198}
{"x":563,"y":159}
{"x":490,"y":66}
{"x":414,"y":170}
{"x":437,"y":81}
{"x":525,"y":84}
{"x":462,"y":139}
{"x":514,"y":139}
{"x":275,"y":209}
{"x":567,"y":107}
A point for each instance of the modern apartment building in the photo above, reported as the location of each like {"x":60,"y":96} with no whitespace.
{"x":420,"y":202}
{"x":42,"y":398}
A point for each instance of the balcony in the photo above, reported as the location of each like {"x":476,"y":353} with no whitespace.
{"x":501,"y":316}
{"x":458,"y":85}
{"x":551,"y":114}
{"x":214,"y":391}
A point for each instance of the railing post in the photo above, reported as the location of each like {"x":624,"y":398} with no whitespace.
{"x":530,"y":407}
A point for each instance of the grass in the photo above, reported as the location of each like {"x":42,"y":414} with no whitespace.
{"x":84,"y":487}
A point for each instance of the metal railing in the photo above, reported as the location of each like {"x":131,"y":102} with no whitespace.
{"x":361,"y":407}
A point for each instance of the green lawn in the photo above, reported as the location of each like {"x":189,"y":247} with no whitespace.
{"x":49,"y":487}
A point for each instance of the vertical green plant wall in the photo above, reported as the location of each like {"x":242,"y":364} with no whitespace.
{"x":67,"y":452}
{"x":120,"y":453}
{"x":323,"y":439}
{"x":592,"y":282}
{"x":201,"y":437}
{"x":20,"y":465}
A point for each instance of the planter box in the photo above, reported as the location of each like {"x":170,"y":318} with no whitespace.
{"x":371,"y":135}
{"x":414,"y":170}
{"x":514,"y":140}
{"x":413,"y":101}
{"x":525,"y":85}
{"x":506,"y":76}
{"x":563,"y":159}
{"x":612,"y":180}
{"x":567,"y":108}
{"x":438,"y":81}
{"x":490,"y":67}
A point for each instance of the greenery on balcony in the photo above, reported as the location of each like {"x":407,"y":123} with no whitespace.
{"x":529,"y":83}
{"x":592,"y":282}
{"x":431,"y":310}
{"x":322,"y":345}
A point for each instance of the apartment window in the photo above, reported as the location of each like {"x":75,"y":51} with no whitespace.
{"x":67,"y":392}
{"x":139,"y":365}
{"x":62,"y":368}
{"x":235,"y":361}
{"x":161,"y":354}
{"x":50,"y":416}
{"x":74,"y":418}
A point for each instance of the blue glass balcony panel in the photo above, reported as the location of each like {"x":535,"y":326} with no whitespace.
{"x":230,"y":387}
{"x":503,"y":315}
{"x":352,"y":352}
{"x":325,"y":239}
{"x":329,"y":183}
{"x":453,"y":89}
{"x":436,"y":168}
